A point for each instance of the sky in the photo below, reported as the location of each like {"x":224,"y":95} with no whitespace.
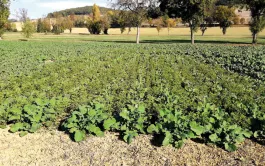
{"x":39,"y":8}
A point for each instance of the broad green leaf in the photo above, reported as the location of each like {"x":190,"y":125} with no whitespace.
{"x":16,"y":111}
{"x":14,"y":118}
{"x":108,"y":123}
{"x":247,"y":134}
{"x":39,"y":102}
{"x":167,"y":139}
{"x":79,"y":136}
{"x":124,"y":115}
{"x":92,"y":113}
{"x":34,"y":127}
{"x":23,"y":133}
{"x":53,"y":102}
{"x":198,"y":129}
{"x":128,"y":137}
{"x":152,"y":128}
{"x":230,"y":147}
{"x":82,"y":109}
{"x":96,"y":130}
{"x":16,"y":127}
{"x":239,"y":139}
{"x":256,"y":134}
{"x":71,"y":125}
{"x":141,"y":109}
{"x":214,"y":137}
{"x":179,"y":144}
{"x":72,"y":130}
{"x":99,"y":106}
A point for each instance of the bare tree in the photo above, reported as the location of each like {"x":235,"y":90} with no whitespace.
{"x":22,"y":14}
{"x":138,"y":8}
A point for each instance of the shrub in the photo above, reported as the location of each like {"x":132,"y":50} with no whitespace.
{"x":28,"y":29}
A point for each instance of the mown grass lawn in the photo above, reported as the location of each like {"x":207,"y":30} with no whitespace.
{"x":235,"y":35}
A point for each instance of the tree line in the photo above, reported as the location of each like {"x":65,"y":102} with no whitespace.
{"x":196,"y":14}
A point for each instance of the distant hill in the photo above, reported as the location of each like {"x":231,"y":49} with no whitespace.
{"x":78,"y":11}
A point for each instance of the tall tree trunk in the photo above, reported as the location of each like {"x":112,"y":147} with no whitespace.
{"x":254,"y":40}
{"x":192,"y":36}
{"x":138,"y":35}
{"x":191,"y":33}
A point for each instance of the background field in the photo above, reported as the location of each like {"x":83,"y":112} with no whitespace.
{"x":235,"y":35}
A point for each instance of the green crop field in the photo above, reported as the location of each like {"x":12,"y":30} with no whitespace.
{"x":215,"y":93}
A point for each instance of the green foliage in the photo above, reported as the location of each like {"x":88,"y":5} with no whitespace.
{"x":95,"y":13}
{"x":28,"y":29}
{"x":87,"y":120}
{"x":149,"y":88}
{"x":225,"y":16}
{"x":94,"y":27}
{"x":218,"y":129}
{"x":40,"y":26}
{"x":4,"y":14}
{"x":133,"y":120}
{"x":43,"y":25}
{"x":174,"y":126}
{"x":30,"y":117}
{"x":57,"y":29}
{"x":192,"y":12}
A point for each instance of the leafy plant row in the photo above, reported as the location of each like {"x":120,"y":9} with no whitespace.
{"x":173,"y":126}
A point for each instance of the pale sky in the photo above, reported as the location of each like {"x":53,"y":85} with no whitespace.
{"x":38,"y":8}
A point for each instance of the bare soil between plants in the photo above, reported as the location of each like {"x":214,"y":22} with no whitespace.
{"x":56,"y":148}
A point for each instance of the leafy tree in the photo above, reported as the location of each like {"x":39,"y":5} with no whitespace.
{"x":106,"y":21}
{"x":236,"y":20}
{"x":28,"y":29}
{"x":257,"y":9}
{"x":40,"y":26}
{"x":122,"y":21}
{"x":150,"y":21}
{"x":257,"y":23}
{"x":96,"y":13}
{"x":68,"y":23}
{"x":58,"y":26}
{"x":138,"y":8}
{"x":170,"y":23}
{"x":159,"y":24}
{"x":94,"y":24}
{"x":4,"y":14}
{"x":224,"y":15}
{"x":10,"y":27}
{"x":79,"y":22}
{"x":46,"y":26}
{"x":203,"y":27}
{"x":13,"y":27}
{"x":242,"y":21}
{"x":192,"y":12}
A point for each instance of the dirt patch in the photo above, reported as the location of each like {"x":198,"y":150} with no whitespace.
{"x":56,"y":148}
{"x":48,"y":61}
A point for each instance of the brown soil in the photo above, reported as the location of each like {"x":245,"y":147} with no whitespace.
{"x":48,"y":61}
{"x":56,"y":148}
